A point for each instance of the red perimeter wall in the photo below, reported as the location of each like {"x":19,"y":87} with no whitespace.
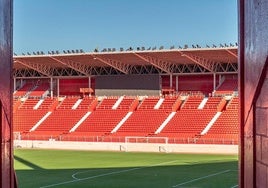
{"x":72,"y":86}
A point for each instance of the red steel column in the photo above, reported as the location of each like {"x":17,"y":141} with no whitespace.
{"x":6,"y":83}
{"x":253,"y":87}
{"x":241,"y":33}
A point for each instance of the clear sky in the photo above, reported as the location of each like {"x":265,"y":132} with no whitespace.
{"x":45,"y":25}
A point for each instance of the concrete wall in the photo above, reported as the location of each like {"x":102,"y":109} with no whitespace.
{"x":129,"y":147}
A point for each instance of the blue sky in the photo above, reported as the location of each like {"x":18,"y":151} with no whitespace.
{"x":45,"y":25}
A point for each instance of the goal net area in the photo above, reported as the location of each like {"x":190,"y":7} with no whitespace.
{"x":140,"y":139}
{"x":16,"y":136}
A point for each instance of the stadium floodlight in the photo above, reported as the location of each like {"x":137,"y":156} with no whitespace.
{"x":34,"y":53}
{"x":42,"y":53}
{"x":142,"y":48}
{"x":149,"y":48}
{"x":207,"y":46}
{"x":68,"y":51}
{"x":121,"y":49}
{"x":214,"y":46}
{"x":221,"y":45}
{"x":23,"y":53}
{"x":138,"y":48}
{"x":226,"y":45}
{"x":172,"y":47}
{"x":109,"y":49}
{"x":38,"y":53}
{"x":73,"y":51}
{"x":198,"y":46}
{"x":77,"y":51}
{"x":81,"y":51}
{"x":180,"y":47}
{"x":193,"y":46}
{"x":231,"y":45}
{"x":161,"y":48}
{"x":154,"y":48}
{"x":113,"y":49}
{"x":104,"y":50}
{"x":185,"y":46}
{"x":28,"y":53}
{"x":236,"y":44}
{"x":64,"y":51}
{"x":57,"y":52}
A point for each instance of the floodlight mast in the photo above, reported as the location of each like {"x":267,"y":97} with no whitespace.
{"x":7,"y":177}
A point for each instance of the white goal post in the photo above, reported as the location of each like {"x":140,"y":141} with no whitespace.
{"x":142,"y":139}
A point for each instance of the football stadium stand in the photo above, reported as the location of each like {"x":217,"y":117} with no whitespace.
{"x":184,"y":95}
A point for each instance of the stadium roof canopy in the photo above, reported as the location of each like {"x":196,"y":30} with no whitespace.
{"x":77,"y":63}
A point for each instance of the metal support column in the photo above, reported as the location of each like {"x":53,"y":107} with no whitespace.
{"x":170,"y":81}
{"x":177,"y":83}
{"x":89,"y":82}
{"x":14,"y":84}
{"x":58,"y":87}
{"x":51,"y":87}
{"x":214,"y":82}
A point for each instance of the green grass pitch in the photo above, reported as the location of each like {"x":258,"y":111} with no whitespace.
{"x":88,"y":169}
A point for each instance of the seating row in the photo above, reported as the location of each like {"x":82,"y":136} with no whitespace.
{"x":143,"y":121}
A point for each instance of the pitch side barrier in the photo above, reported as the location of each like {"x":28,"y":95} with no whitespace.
{"x":128,"y":147}
{"x":128,"y":139}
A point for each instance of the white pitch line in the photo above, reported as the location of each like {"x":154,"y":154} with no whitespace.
{"x":101,"y":175}
{"x":73,"y":176}
{"x":234,"y":186}
{"x":203,"y":177}
{"x":91,"y":177}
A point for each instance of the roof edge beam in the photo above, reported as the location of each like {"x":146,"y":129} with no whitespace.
{"x":232,"y":53}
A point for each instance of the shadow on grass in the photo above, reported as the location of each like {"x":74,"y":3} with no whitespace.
{"x":203,"y":175}
{"x":27,"y":163}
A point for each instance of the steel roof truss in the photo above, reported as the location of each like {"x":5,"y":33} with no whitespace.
{"x":22,"y":73}
{"x":187,"y":68}
{"x":42,"y":68}
{"x":115,"y":64}
{"x":198,"y":68}
{"x":234,"y":66}
{"x":209,"y":65}
{"x":227,"y":67}
{"x":72,"y":64}
{"x":157,"y":62}
{"x":144,"y":70}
